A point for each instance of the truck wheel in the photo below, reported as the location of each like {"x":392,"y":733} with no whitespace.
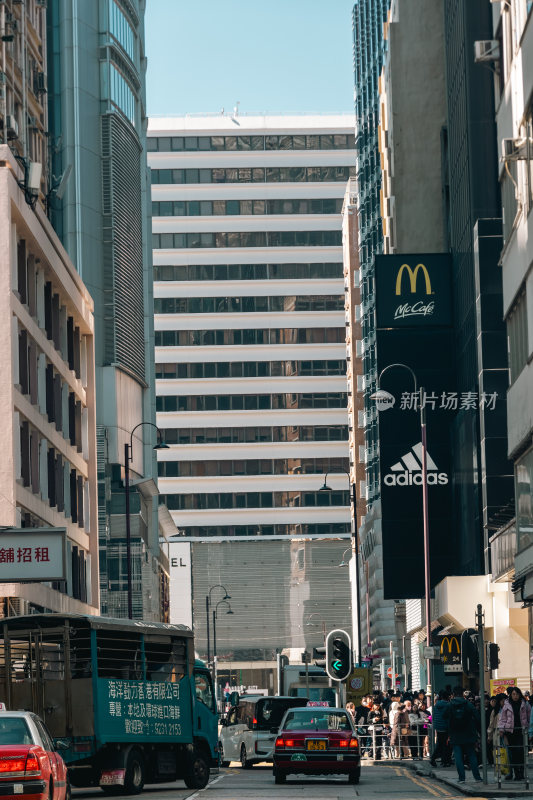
{"x":197,"y":776}
{"x":245,"y":761}
{"x":135,"y":773}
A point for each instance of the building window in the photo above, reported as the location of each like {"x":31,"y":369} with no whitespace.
{"x":517,"y":341}
{"x":524,"y":501}
{"x":121,"y":95}
{"x":121,"y":30}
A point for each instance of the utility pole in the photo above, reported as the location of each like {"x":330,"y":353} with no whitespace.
{"x":481,"y":646}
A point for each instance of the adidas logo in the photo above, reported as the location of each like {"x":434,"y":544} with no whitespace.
{"x":408,"y":470}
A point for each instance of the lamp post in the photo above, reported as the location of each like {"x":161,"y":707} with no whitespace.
{"x":355,"y":551}
{"x":311,"y":624}
{"x":128,"y":447}
{"x":207,"y":608}
{"x":215,"y":617}
{"x":380,"y":394}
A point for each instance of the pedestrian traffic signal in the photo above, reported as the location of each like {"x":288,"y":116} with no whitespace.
{"x":319,"y":655}
{"x":469,"y":652}
{"x":338,"y":655}
{"x":492,"y":655}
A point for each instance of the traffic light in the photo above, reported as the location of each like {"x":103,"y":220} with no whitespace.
{"x":492,"y":655}
{"x":469,"y":652}
{"x":319,"y":654}
{"x":338,"y":655}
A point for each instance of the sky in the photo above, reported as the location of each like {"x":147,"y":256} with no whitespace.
{"x":269,"y":55}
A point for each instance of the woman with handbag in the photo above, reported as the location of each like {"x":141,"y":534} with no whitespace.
{"x":414,"y":731}
{"x":400,"y":731}
{"x":377,"y":719}
{"x":514,"y":718}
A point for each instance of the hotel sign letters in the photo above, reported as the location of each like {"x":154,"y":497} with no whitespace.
{"x":413,"y":290}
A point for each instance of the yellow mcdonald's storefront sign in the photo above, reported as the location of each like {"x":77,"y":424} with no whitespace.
{"x":452,"y":643}
{"x":412,"y":276}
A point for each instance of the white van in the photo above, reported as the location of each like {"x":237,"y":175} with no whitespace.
{"x":248,"y":732}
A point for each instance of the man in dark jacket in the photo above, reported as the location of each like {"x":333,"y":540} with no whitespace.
{"x":440,"y":725}
{"x":462,"y":719}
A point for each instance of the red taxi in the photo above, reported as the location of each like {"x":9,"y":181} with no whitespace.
{"x":30,"y":766}
{"x":317,"y":741}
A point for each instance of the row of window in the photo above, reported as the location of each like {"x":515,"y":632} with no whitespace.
{"x":166,"y":241}
{"x":121,"y":94}
{"x":235,"y":305}
{"x":253,"y":175}
{"x":245,"y":272}
{"x":250,"y":369}
{"x":239,"y":402}
{"x":207,"y":208}
{"x":121,"y":30}
{"x":296,"y":529}
{"x":517,"y":337}
{"x":45,"y":471}
{"x":287,"y":433}
{"x":177,"y":144}
{"x":202,"y":500}
{"x":253,"y":336}
{"x":265,"y":466}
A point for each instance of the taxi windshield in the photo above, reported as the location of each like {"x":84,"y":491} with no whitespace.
{"x":318,"y":720}
{"x":14,"y":730}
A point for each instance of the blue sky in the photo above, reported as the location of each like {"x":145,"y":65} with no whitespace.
{"x":270,"y":55}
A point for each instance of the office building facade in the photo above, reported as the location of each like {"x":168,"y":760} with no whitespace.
{"x":250,"y":335}
{"x":96,"y":101}
{"x":512,"y":544}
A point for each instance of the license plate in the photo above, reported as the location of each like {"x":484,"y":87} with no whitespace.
{"x":113,"y":777}
{"x":340,"y":757}
{"x":316,"y":744}
{"x":18,"y":788}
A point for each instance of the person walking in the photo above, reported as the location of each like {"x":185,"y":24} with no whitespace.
{"x":400,"y":730}
{"x":442,"y":748}
{"x":461,"y":718}
{"x":514,"y":718}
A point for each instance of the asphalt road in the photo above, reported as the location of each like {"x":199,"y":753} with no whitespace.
{"x":387,"y":782}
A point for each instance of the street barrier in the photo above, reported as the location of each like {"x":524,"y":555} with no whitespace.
{"x":509,"y":759}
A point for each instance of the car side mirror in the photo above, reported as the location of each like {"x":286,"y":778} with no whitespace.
{"x":62,"y":744}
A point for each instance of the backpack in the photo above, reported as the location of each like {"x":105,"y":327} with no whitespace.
{"x":459,"y":717}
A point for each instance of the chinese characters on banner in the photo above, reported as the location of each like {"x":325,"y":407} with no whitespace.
{"x":33,"y":554}
{"x":141,"y":709}
{"x":448,"y":401}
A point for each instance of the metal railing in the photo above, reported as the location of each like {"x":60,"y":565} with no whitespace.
{"x":375,"y":739}
{"x":509,"y":758}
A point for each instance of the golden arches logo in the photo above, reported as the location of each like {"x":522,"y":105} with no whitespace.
{"x":452,"y":642}
{"x":412,"y":275}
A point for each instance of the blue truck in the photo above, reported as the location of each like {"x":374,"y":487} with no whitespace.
{"x":128,"y":697}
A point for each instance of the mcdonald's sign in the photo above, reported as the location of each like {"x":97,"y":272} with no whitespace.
{"x":413,"y":290}
{"x":413,"y":274}
{"x":450,"y":653}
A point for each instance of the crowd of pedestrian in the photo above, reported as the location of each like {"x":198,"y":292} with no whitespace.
{"x":397,"y":725}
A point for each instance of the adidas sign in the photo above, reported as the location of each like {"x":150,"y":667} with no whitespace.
{"x":408,"y":470}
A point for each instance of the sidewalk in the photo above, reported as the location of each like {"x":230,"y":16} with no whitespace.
{"x":449,"y":777}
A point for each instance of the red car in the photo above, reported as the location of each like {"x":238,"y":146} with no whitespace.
{"x":317,"y":741}
{"x":30,"y":766}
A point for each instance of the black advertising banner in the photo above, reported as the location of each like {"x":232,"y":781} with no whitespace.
{"x":413,"y":290}
{"x":428,"y":351}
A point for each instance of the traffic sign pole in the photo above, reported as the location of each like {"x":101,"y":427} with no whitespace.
{"x":481,"y":647}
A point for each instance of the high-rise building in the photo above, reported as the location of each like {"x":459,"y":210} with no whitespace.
{"x":512,"y":48}
{"x":47,"y":400}
{"x":250,"y":348}
{"x":96,"y":86}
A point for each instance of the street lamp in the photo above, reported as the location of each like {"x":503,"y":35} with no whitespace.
{"x":215,"y":617}
{"x":355,"y":550}
{"x":313,"y":624}
{"x":343,"y":562}
{"x":380,"y":394}
{"x":207,"y":607}
{"x":128,"y":447}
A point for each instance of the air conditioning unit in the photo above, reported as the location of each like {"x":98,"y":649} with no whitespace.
{"x":12,"y":127}
{"x":514,"y":149}
{"x":486,"y":51}
{"x":39,"y":82}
